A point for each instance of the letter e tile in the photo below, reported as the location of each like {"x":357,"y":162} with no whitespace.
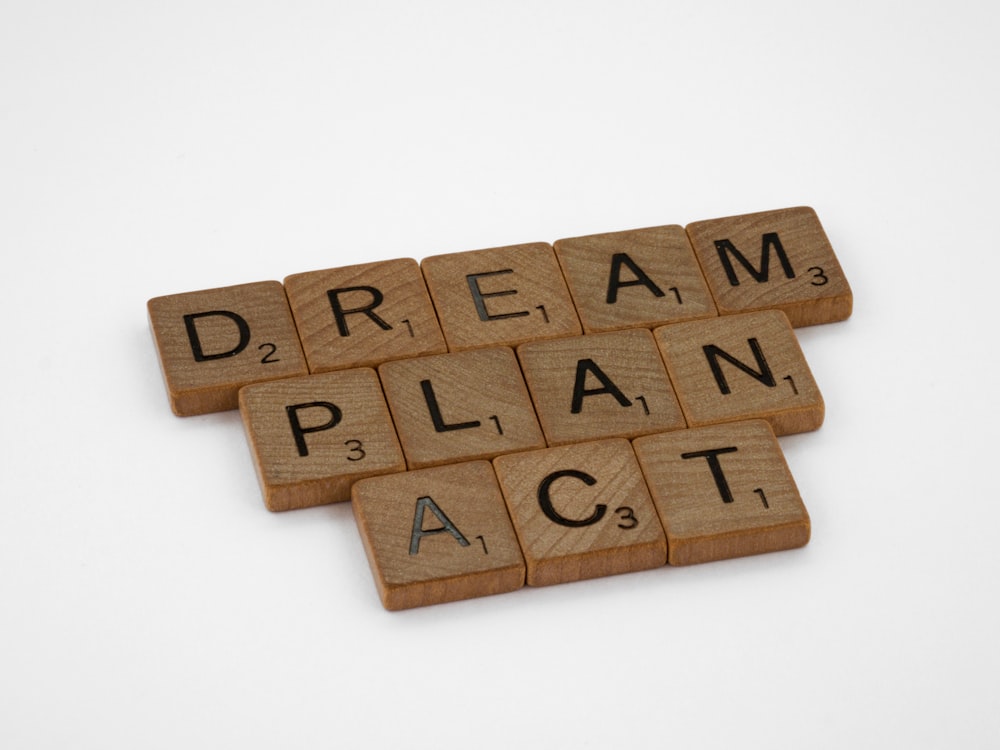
{"x":500,"y":296}
{"x":215,"y":341}
{"x":311,"y":437}
{"x":437,"y":535}
{"x":581,"y":511}
{"x":723,"y":491}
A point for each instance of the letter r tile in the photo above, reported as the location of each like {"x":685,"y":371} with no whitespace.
{"x":213,"y":342}
{"x":311,"y":437}
{"x":778,"y":260}
{"x":437,"y":535}
{"x":363,"y":315}
{"x":500,"y":296}
{"x":581,"y":511}
{"x":738,"y":367}
{"x":723,"y":491}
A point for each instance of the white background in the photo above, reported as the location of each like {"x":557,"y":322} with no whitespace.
{"x":147,"y":598}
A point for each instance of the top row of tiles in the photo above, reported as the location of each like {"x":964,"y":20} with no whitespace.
{"x":363,"y":315}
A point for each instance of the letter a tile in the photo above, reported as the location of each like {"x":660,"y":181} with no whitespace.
{"x":740,"y":367}
{"x":641,"y":277}
{"x":501,"y":296}
{"x":437,"y":535}
{"x":581,"y":511}
{"x":215,"y":341}
{"x":600,"y":386}
{"x":773,"y":260}
{"x":363,"y":315}
{"x":312,"y":437}
{"x":723,"y":491}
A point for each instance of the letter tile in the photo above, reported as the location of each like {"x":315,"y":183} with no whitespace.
{"x":311,"y":437}
{"x":460,"y":406}
{"x":581,"y":511}
{"x":500,"y":296}
{"x":738,"y":367}
{"x":599,"y":386}
{"x":723,"y":491}
{"x":213,"y":342}
{"x":437,"y":535}
{"x":637,"y":278}
{"x":778,"y":260}
{"x":364,"y":315}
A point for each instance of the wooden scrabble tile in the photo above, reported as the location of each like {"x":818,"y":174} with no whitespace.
{"x":773,"y":260}
{"x":364,"y":315}
{"x":500,"y":296}
{"x":581,"y":511}
{"x":598,"y":386}
{"x":437,"y":535}
{"x":460,"y":406}
{"x":741,"y":367}
{"x":215,"y":341}
{"x":642,"y":277}
{"x":311,"y":437}
{"x":723,"y":491}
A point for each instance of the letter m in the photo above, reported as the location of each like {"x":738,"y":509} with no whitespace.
{"x":727,"y":251}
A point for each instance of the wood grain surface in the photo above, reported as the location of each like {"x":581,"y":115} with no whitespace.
{"x":779,"y":260}
{"x":723,"y":491}
{"x":636,"y":278}
{"x":312,"y":437}
{"x":437,"y":535}
{"x":213,"y":342}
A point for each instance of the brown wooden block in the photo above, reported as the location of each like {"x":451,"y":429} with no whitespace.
{"x":437,"y":535}
{"x":741,"y":367}
{"x":500,"y":296}
{"x":460,"y":406}
{"x":581,"y":511}
{"x":773,"y":260}
{"x":598,"y":386}
{"x":637,"y":278}
{"x":364,"y":315}
{"x":723,"y":491}
{"x":215,"y":341}
{"x":311,"y":437}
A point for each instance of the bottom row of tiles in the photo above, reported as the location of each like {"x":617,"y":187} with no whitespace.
{"x":579,"y":511}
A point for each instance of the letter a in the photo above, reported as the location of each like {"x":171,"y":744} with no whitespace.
{"x":419,"y":532}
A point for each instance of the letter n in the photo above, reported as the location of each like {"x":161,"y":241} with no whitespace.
{"x":762,"y":374}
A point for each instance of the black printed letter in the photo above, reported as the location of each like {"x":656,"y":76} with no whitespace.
{"x":192,"y":332}
{"x":725,"y":248}
{"x":712,"y":456}
{"x":340,"y":313}
{"x":419,"y":532}
{"x":435,"y":410}
{"x":584,"y":366}
{"x":479,"y":297}
{"x":712,"y":353}
{"x":641,"y":279}
{"x":300,"y":432}
{"x":546,"y":502}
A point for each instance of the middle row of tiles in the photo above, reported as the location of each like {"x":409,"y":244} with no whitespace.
{"x":313,"y":436}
